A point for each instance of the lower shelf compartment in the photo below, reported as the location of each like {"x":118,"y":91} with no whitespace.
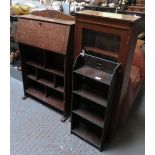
{"x":51,"y":100}
{"x":86,"y":134}
{"x":90,"y":116}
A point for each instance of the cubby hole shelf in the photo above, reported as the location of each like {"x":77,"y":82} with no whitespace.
{"x":87,"y":132}
{"x":45,"y":94}
{"x":42,"y":67}
{"x":90,"y":116}
{"x":59,"y":83}
{"x":51,"y":100}
{"x":48,"y":81}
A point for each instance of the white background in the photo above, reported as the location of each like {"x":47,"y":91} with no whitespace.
{"x":5,"y":77}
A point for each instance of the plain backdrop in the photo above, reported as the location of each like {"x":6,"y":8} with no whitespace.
{"x":5,"y":77}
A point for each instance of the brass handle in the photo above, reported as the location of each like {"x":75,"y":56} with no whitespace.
{"x":40,"y":24}
{"x":98,"y":65}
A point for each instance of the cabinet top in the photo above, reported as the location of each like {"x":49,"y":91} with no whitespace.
{"x":47,"y":19}
{"x":108,"y":15}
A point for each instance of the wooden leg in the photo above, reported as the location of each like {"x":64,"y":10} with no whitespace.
{"x":24,"y":97}
{"x":64,"y":118}
{"x":70,"y":119}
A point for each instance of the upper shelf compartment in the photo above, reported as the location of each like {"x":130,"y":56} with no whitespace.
{"x":101,"y":43}
{"x":95,"y":74}
{"x":96,"y":68}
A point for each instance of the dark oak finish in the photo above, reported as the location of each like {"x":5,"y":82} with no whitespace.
{"x":45,"y":35}
{"x":53,"y":101}
{"x":95,"y":83}
{"x":46,"y":46}
{"x":92,"y":95}
{"x":85,"y":133}
{"x":114,"y":38}
{"x":90,"y":116}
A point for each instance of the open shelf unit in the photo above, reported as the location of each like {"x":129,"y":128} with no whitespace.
{"x":44,"y":79}
{"x":95,"y":83}
{"x":44,"y":75}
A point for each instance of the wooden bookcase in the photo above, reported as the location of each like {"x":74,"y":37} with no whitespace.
{"x":46,"y":48}
{"x":110,"y":36}
{"x":95,"y":88}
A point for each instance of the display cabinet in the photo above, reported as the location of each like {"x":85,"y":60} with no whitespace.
{"x":94,"y":96}
{"x":46,"y":47}
{"x":110,"y":36}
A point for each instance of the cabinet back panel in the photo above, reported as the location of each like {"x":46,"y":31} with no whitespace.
{"x":51,"y":92}
{"x":29,"y":70}
{"x":55,"y":60}
{"x":45,"y":75}
{"x":36,"y":85}
{"x":80,"y":122}
{"x":32,"y":54}
{"x":82,"y":103}
{"x":101,"y":40}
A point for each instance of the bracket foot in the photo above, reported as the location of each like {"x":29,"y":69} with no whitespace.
{"x":24,"y":97}
{"x":64,"y":118}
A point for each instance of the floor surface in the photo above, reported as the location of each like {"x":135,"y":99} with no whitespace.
{"x":37,"y":130}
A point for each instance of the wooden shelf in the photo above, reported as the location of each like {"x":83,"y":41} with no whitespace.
{"x":41,"y":81}
{"x":102,"y":51}
{"x":95,"y":74}
{"x":55,"y":102}
{"x":51,"y":100}
{"x":89,"y":94}
{"x":34,"y":64}
{"x":35,"y":92}
{"x":46,"y":82}
{"x":90,"y":116}
{"x":55,"y":71}
{"x":50,"y":69}
{"x":87,"y":135}
{"x":60,"y":89}
{"x":32,"y":77}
